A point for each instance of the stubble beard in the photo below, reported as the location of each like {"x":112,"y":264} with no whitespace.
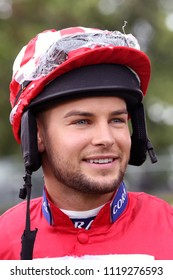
{"x":65,"y":173}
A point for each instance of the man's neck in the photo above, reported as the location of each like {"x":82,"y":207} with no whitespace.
{"x":70,"y":199}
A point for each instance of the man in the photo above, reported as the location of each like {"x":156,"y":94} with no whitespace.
{"x":72,"y":94}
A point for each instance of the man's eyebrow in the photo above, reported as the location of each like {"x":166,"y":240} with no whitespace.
{"x":88,"y":114}
{"x":78,"y":113}
{"x":119,"y":112}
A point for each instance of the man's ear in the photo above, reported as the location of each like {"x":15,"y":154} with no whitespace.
{"x":40,"y":139}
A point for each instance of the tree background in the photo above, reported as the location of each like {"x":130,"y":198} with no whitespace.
{"x":150,"y":21}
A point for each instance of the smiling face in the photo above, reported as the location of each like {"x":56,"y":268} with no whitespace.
{"x":85,"y":144}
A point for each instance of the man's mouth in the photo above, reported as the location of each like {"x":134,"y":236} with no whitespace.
{"x":100,"y":160}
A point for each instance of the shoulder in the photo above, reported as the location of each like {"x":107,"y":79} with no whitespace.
{"x":17,"y":212}
{"x":151,"y":205}
{"x":149,"y":199}
{"x":12,"y":224}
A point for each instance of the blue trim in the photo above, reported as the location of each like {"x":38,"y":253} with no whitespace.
{"x":119,"y":202}
{"x":46,"y":209}
{"x":118,"y":205}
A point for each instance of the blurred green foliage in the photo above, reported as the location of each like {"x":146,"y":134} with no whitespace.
{"x":20,"y":20}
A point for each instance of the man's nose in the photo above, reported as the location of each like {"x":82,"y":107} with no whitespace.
{"x":103,"y":135}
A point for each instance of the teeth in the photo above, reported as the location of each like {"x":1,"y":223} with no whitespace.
{"x":101,"y":160}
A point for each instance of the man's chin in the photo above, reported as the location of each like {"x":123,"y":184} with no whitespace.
{"x":103,"y":185}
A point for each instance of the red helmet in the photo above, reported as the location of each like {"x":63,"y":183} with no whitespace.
{"x":53,"y":53}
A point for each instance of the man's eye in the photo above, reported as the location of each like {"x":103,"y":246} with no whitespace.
{"x":81,"y":122}
{"x":118,"y":120}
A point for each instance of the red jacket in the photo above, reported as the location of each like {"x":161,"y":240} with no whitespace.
{"x":144,"y":227}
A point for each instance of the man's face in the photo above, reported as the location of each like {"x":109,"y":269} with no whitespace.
{"x":85,"y":143}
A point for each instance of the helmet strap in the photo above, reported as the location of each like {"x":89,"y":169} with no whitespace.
{"x":28,"y":237}
{"x":32,"y":163}
{"x":140,"y":142}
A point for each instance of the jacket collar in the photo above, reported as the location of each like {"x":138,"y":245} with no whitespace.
{"x":110,"y":212}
